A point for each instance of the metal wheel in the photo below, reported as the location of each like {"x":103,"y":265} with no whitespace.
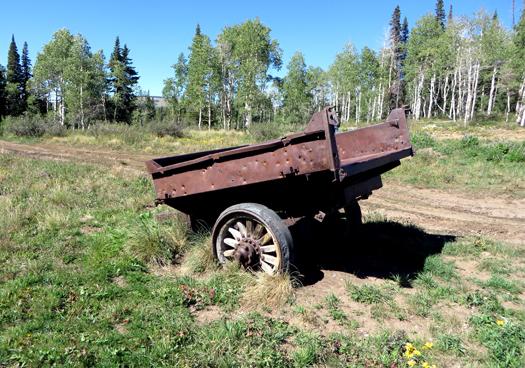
{"x":254,"y":236}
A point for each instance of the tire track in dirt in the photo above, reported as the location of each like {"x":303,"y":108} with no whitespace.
{"x":68,"y":153}
{"x":436,"y":210}
{"x":431,"y":209}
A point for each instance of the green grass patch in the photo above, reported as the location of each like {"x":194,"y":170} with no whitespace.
{"x":469,"y":164}
{"x":369,"y":294}
{"x":504,"y":339}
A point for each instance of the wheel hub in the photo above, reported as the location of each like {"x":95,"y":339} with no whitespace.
{"x":247,"y":252}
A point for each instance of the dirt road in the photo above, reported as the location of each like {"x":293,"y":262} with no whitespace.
{"x":436,"y":211}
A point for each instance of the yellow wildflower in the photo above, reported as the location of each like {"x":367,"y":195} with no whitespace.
{"x":425,"y":365}
{"x":428,"y":345}
{"x":409,"y":350}
{"x":417,"y":352}
{"x":500,"y":322}
{"x":411,"y":363}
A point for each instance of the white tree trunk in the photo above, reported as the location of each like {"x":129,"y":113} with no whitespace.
{"x":475,"y":90}
{"x":492,"y":89}
{"x":507,"y":110}
{"x":431,"y":100}
{"x":248,"y":109}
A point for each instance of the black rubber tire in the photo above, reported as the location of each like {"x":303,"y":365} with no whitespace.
{"x":353,"y":214}
{"x":266,"y":217}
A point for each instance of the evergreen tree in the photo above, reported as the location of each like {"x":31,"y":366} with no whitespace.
{"x":405,"y":32}
{"x":450,"y":15}
{"x":395,"y":92}
{"x":440,"y":13}
{"x":14,"y":81}
{"x":3,"y":83}
{"x":123,"y":79}
{"x":26,"y":74}
{"x":149,"y":107}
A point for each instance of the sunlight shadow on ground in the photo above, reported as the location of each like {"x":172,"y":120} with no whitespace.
{"x":380,"y":248}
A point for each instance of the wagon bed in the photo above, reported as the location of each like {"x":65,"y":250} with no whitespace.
{"x":311,"y":173}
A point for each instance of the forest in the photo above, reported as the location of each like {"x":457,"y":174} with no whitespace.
{"x":443,"y":66}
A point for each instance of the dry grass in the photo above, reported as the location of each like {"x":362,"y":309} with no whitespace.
{"x":268,"y":292}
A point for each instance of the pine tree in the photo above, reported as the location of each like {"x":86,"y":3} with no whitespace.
{"x":396,"y":59}
{"x":26,"y":74}
{"x":403,"y":40}
{"x":440,"y":13}
{"x":123,"y":79}
{"x":450,"y":15}
{"x":14,"y":81}
{"x":3,"y":83}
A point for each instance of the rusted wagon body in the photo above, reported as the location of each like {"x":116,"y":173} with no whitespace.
{"x":251,"y":192}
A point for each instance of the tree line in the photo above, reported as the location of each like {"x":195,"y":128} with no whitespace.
{"x":69,"y":82}
{"x":457,"y":68}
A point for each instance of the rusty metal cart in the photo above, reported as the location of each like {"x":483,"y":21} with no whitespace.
{"x":251,"y":193}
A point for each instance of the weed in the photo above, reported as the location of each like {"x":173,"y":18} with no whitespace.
{"x":308,"y":351}
{"x":435,"y":265}
{"x":494,"y":265}
{"x":368,"y":294}
{"x":450,"y":343}
{"x":333,"y":303}
{"x":497,"y":282}
{"x":504,"y":340}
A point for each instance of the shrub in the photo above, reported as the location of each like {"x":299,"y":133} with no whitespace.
{"x":422,"y":140}
{"x":171,"y":129}
{"x":26,"y":126}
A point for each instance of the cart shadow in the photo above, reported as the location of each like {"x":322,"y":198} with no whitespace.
{"x":380,"y":249}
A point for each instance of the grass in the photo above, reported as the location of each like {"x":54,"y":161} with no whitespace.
{"x":369,"y":294}
{"x":333,"y":305}
{"x":91,"y":274}
{"x":467,"y":164}
{"x":450,"y":156}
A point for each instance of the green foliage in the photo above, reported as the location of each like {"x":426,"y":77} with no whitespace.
{"x":483,"y":164}
{"x":450,"y":343}
{"x":32,"y":126}
{"x":123,"y":79}
{"x":166,"y":129}
{"x":435,"y":265}
{"x":295,"y":89}
{"x":200,"y":73}
{"x":333,"y":304}
{"x":3,"y":101}
{"x":505,"y":343}
{"x":368,"y":294}
{"x":174,"y":87}
{"x":15,"y":81}
{"x":248,"y":52}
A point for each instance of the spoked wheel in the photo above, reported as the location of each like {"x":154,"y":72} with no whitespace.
{"x":254,"y":236}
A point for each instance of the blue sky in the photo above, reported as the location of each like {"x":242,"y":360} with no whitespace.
{"x":157,"y":31}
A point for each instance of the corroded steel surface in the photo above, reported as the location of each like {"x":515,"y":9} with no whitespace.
{"x":300,"y":172}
